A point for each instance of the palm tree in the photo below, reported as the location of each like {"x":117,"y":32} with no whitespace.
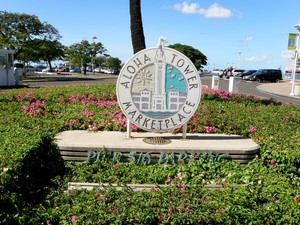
{"x":136,"y":26}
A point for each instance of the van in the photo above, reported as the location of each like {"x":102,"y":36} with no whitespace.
{"x":261,"y":75}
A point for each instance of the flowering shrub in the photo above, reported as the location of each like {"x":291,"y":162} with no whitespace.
{"x":30,"y":118}
{"x":35,"y":108}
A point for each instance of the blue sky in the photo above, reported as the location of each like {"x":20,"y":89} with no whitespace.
{"x":249,"y":34}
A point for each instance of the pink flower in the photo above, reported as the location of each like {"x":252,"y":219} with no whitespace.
{"x":87,"y":113}
{"x":101,"y":198}
{"x":181,"y":185}
{"x":115,"y":166}
{"x":273,"y":163}
{"x":73,"y":219}
{"x":154,"y":188}
{"x":168,"y":179}
{"x":252,"y":129}
{"x":100,"y":184}
{"x":208,"y":129}
{"x":222,"y":181}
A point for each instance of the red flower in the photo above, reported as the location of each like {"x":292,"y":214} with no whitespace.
{"x":154,"y":189}
{"x":115,"y":166}
{"x":181,"y":185}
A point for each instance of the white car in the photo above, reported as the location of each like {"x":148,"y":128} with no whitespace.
{"x":97,"y":70}
{"x":104,"y":70}
{"x":40,"y":68}
{"x":46,"y":70}
{"x":217,"y":72}
{"x":237,"y":71}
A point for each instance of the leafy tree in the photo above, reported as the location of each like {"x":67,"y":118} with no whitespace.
{"x":100,"y":61}
{"x":21,"y":31}
{"x":84,"y":53}
{"x":136,"y":26}
{"x":113,"y":63}
{"x":50,"y":50}
{"x":196,"y":56}
{"x":45,"y":50}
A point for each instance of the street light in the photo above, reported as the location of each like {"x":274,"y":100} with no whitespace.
{"x":94,"y":55}
{"x":297,"y":26}
{"x":239,"y":59}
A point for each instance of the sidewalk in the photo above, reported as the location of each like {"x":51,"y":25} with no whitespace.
{"x":282,"y":88}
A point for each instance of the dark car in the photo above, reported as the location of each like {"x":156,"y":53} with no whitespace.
{"x":272,"y":75}
{"x":19,"y":65}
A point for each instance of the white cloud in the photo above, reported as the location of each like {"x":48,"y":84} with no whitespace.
{"x":259,"y":59}
{"x":246,"y":40}
{"x":216,"y":11}
{"x":213,"y":11}
{"x":184,"y":7}
{"x":288,"y":55}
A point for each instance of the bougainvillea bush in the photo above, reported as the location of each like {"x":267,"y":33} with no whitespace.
{"x":34,"y":178}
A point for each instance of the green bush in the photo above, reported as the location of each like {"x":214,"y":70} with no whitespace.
{"x":34,"y":178}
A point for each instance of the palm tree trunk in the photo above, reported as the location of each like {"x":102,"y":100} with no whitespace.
{"x":136,"y":26}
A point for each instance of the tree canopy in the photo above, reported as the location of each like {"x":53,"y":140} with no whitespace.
{"x":21,"y":32}
{"x":84,"y":53}
{"x":196,"y":56}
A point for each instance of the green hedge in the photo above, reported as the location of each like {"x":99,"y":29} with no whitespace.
{"x":34,"y":178}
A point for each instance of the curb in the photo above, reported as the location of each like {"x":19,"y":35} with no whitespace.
{"x":266,"y":90}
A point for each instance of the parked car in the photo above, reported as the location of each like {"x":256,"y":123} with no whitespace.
{"x":18,"y":65}
{"x":47,"y":69}
{"x":245,"y":73}
{"x":217,"y":72}
{"x":115,"y":71}
{"x":63,"y":69}
{"x":97,"y":70}
{"x":88,"y":69}
{"x":40,"y":67}
{"x":236,"y":72}
{"x":273,"y":75}
{"x":30,"y":68}
{"x":75,"y":70}
{"x":106,"y":70}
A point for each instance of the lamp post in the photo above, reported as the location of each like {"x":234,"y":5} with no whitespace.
{"x":239,"y":59}
{"x":297,"y":26}
{"x":94,"y":55}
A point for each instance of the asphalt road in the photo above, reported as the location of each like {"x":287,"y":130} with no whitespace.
{"x":248,"y":88}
